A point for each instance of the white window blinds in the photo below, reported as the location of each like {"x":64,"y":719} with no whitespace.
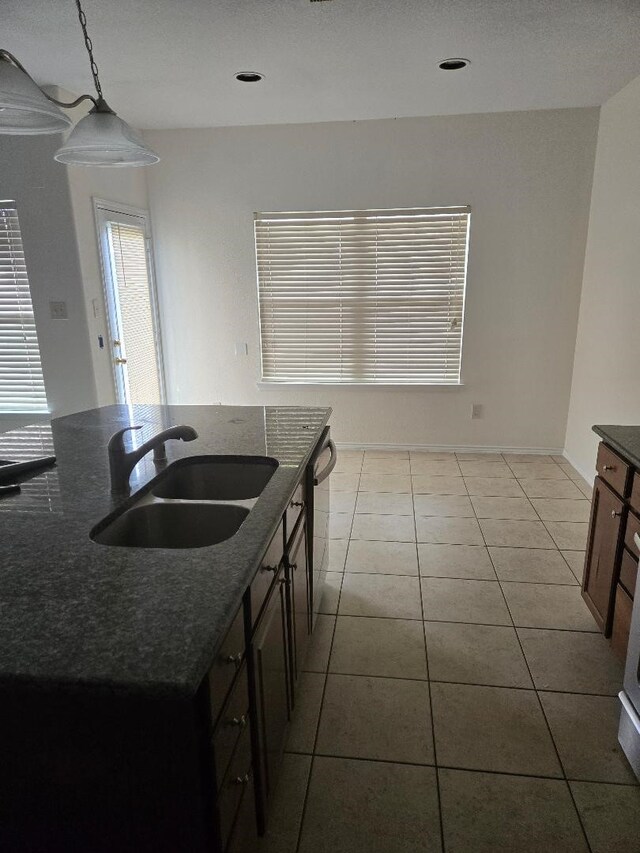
{"x":371,"y":296}
{"x":21,"y":381}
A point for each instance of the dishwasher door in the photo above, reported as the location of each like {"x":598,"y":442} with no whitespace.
{"x":322,"y":464}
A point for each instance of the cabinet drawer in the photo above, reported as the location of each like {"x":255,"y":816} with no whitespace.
{"x":634,"y":500}
{"x":265,"y":576}
{"x":228,"y":661}
{"x":244,"y":838}
{"x":294,"y":508}
{"x":233,"y":720}
{"x":621,"y":622}
{"x":233,"y":787}
{"x":633,"y":527}
{"x":628,"y":572}
{"x":613,"y":469}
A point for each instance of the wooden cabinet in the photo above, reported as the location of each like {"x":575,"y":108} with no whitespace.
{"x":603,"y":546}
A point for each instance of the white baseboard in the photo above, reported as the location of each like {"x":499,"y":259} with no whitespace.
{"x":588,"y":476}
{"x":454,"y":448}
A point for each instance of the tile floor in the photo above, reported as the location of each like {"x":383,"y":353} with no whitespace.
{"x":457,"y":696}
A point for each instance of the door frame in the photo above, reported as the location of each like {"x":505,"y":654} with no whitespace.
{"x":109,"y":211}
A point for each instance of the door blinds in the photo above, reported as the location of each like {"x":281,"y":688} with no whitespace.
{"x":372,"y":296}
{"x":21,"y":381}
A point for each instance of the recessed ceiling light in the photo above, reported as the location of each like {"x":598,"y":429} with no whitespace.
{"x":454,"y":64}
{"x":249,"y":76}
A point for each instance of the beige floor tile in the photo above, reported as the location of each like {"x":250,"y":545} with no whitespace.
{"x":558,"y":459}
{"x":317,"y":659}
{"x":448,"y":531}
{"x":485,"y":469}
{"x":350,"y":453}
{"x":552,"y":509}
{"x":385,"y":503}
{"x":585,"y":731}
{"x":392,"y":596}
{"x":390,"y":465}
{"x":479,"y":457}
{"x":444,"y":505}
{"x":396,"y":483}
{"x":340,"y":525}
{"x":475,"y":654}
{"x":610,"y":814}
{"x":305,"y":716}
{"x":384,"y":558}
{"x":392,"y":648}
{"x":515,"y":534}
{"x":456,"y":600}
{"x":568,"y":535}
{"x":344,"y":482}
{"x":285,"y":810}
{"x":442,"y":468}
{"x":346,"y":465}
{"x":387,"y":719}
{"x":563,"y":489}
{"x":574,"y":661}
{"x":531,"y":565}
{"x":495,"y":813}
{"x":540,"y":605}
{"x":331,"y":592}
{"x":428,"y":484}
{"x":526,"y":457}
{"x":492,"y":728}
{"x":337,"y":554}
{"x":585,"y":488}
{"x":469,"y":562}
{"x":538,"y":471}
{"x":497,"y":487}
{"x":386,"y":454}
{"x":384,"y":528}
{"x":575,"y":559}
{"x":513,"y":508}
{"x":343,"y":501}
{"x":433,"y":455}
{"x":370,"y":807}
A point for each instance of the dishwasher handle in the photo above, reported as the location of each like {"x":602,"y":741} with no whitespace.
{"x":331,"y":464}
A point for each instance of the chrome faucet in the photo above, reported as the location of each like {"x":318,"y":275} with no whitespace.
{"x":122,"y":462}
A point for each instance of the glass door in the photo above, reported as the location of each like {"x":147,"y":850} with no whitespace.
{"x":132,"y":310}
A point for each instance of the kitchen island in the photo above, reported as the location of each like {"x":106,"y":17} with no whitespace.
{"x":144,"y":692}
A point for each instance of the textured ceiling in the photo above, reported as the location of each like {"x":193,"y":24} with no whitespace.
{"x":170,"y":63}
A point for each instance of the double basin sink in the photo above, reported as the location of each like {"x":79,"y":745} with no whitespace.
{"x":197,"y":502}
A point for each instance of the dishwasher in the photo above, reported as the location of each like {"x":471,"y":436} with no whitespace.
{"x":318,"y":494}
{"x":629,"y":730}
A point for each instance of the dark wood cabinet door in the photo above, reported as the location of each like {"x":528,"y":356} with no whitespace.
{"x":272,"y":684}
{"x":603,"y":553}
{"x":299,"y":603}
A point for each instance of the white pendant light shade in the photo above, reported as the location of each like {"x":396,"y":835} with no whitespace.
{"x":24,"y":109}
{"x":103,"y":139}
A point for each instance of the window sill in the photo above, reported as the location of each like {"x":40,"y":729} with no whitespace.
{"x":263,"y":385}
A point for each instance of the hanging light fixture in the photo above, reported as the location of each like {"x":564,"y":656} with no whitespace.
{"x":98,"y":139}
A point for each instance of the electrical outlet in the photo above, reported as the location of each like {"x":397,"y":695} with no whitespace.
{"x":476,"y":411}
{"x":58,"y":311}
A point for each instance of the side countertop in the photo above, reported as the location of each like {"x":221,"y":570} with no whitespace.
{"x":624,"y":439}
{"x":74,"y":613}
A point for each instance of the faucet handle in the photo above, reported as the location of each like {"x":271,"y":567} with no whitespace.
{"x":117,"y":439}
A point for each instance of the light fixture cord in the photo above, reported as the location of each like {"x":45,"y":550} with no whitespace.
{"x":89,"y":45}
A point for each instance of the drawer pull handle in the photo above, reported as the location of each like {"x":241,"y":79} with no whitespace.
{"x":241,"y":780}
{"x":615,"y":513}
{"x":236,"y":659}
{"x":240,"y":722}
{"x":296,"y":503}
{"x":268,"y":568}
{"x":608,"y":467}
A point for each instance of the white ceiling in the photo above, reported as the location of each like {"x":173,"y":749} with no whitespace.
{"x":170,"y":63}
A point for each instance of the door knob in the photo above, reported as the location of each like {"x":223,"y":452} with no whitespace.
{"x":615,"y":513}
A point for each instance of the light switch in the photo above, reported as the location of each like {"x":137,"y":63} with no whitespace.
{"x":58,"y":311}
{"x":242,"y":348}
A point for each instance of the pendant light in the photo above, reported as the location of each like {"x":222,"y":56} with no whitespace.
{"x":98,"y":139}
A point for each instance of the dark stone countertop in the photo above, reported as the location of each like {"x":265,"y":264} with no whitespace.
{"x":74,"y":613}
{"x":624,"y":439}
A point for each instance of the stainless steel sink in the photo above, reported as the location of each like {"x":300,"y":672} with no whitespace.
{"x":173,"y":526}
{"x":216,"y":478}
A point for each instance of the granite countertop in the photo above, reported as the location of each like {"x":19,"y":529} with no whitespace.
{"x":624,"y":439}
{"x":76,"y":613}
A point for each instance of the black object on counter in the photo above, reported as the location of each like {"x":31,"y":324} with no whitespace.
{"x":11,"y":470}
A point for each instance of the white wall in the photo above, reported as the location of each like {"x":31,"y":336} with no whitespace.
{"x":606,"y":388}
{"x":527,"y":177}
{"x":38,"y":185}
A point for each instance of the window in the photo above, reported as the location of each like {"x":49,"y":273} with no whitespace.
{"x":21,"y":381}
{"x":362,"y":297}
